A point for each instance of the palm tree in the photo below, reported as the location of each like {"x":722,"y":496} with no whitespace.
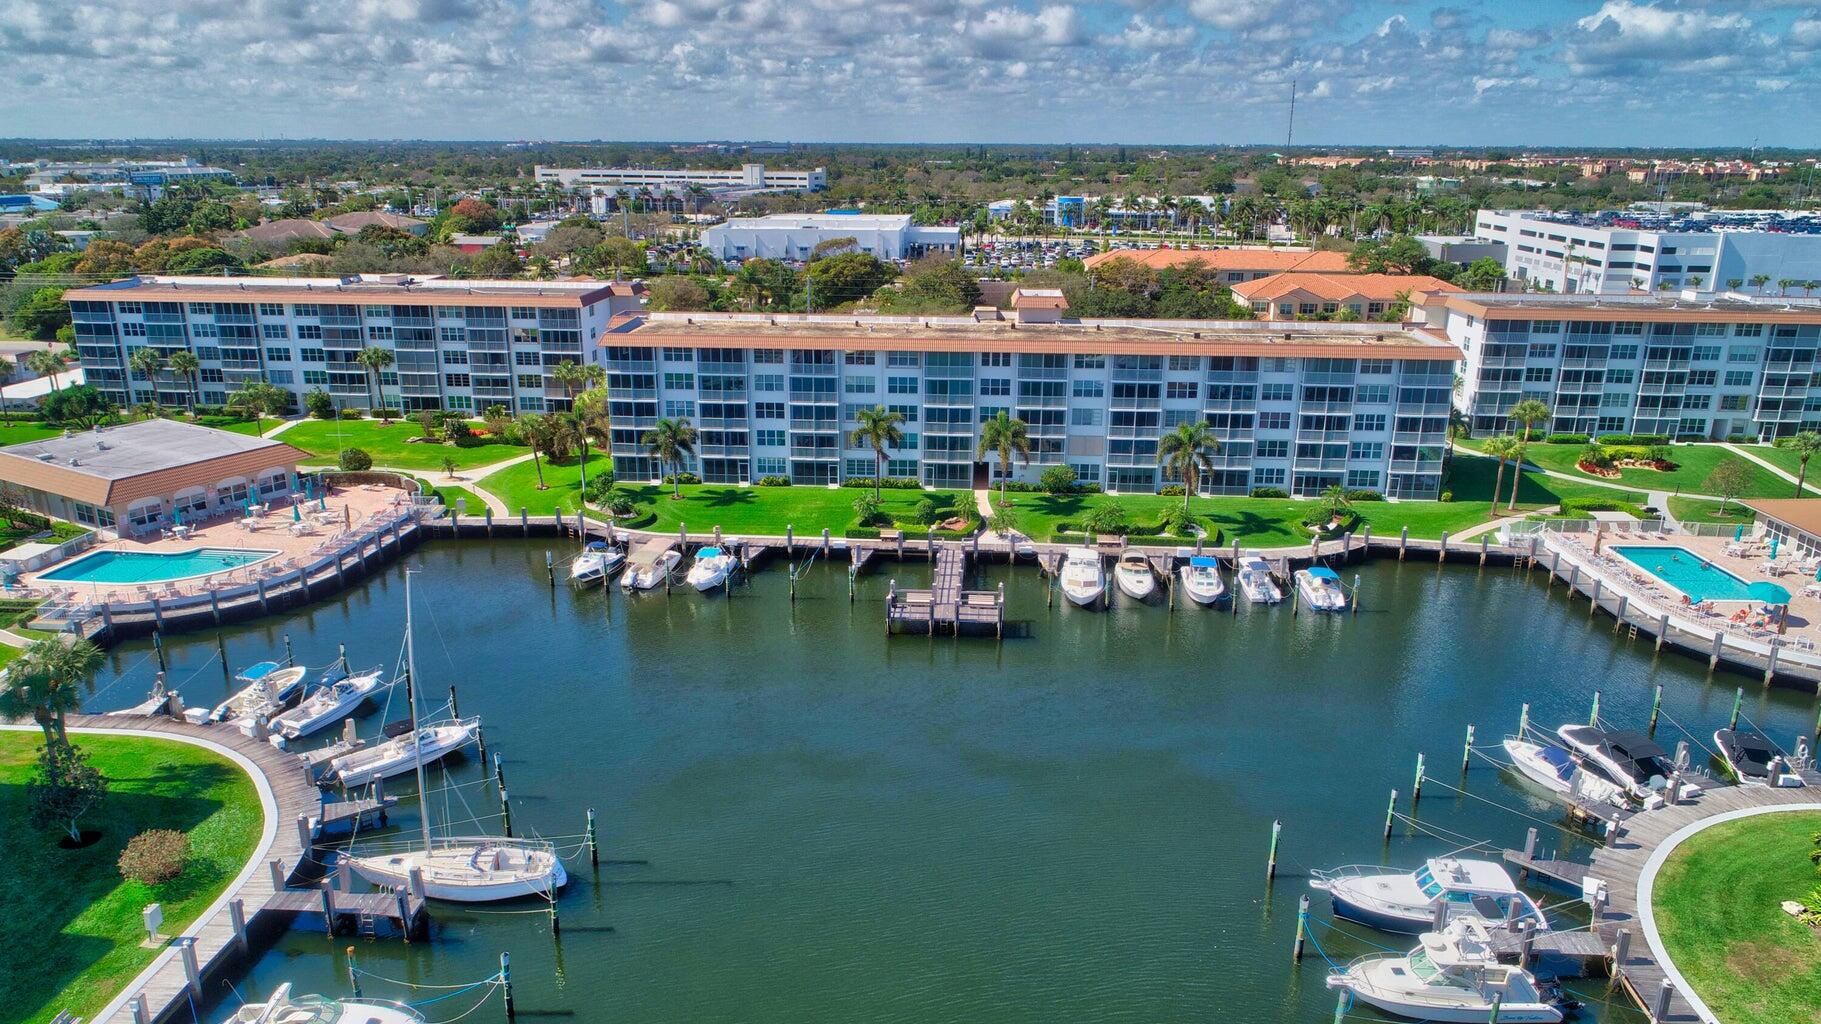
{"x":1805,"y":445}
{"x":45,"y":363}
{"x":1519,"y":447}
{"x":1187,"y":452}
{"x":539,"y":434}
{"x":1334,"y":501}
{"x":46,"y":683}
{"x":575,"y":377}
{"x":261,"y":398}
{"x":1005,"y":437}
{"x":1758,"y":281}
{"x":1529,"y":412}
{"x":148,"y":363}
{"x":878,"y":430}
{"x":185,"y":364}
{"x":670,"y":441}
{"x":1784,"y":284}
{"x":376,"y":359}
{"x":1503,"y":448}
{"x":590,"y":419}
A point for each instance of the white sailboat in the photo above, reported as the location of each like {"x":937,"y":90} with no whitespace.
{"x":285,"y":1008}
{"x":596,"y":562}
{"x":327,"y":705}
{"x":1254,"y":577}
{"x":1201,"y":579}
{"x":1083,"y":577}
{"x":268,"y":689}
{"x":461,"y":869}
{"x":711,"y":568}
{"x":1455,"y":975}
{"x":1133,"y":575}
{"x":1320,"y":589}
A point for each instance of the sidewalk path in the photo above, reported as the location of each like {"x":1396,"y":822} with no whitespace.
{"x":1791,"y":477}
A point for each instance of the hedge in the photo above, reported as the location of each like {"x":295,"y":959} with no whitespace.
{"x":1639,"y":439}
{"x":1566,"y":439}
{"x":1582,"y":506}
{"x":1269,"y":492}
{"x":890,"y":483}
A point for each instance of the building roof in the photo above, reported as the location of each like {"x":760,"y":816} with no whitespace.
{"x":1272,"y":260}
{"x":480,"y":240}
{"x":1713,"y":308}
{"x":351,"y":223}
{"x":820,"y":222}
{"x":1340,"y":287}
{"x":286,"y":230}
{"x":126,"y":462}
{"x":1039,"y":298}
{"x":379,"y":288}
{"x":1800,"y":514}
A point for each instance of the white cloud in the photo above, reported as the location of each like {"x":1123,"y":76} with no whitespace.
{"x":1144,"y":34}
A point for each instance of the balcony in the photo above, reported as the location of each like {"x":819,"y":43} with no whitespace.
{"x":722,"y":422}
{"x":723,"y":450}
{"x":1233,"y":376}
{"x":649,"y":394}
{"x":1416,"y":465}
{"x":1303,"y":463}
{"x":235,"y":318}
{"x":815,"y":397}
{"x":1666,"y":364}
{"x":806,"y":452}
{"x":1436,"y":437}
{"x":1323,"y":435}
{"x":487,"y":392}
{"x":824,"y":426}
{"x":631,"y":366}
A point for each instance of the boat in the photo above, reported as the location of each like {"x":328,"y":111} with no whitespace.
{"x":1320,"y":589}
{"x":1748,"y":754}
{"x":1255,"y":581}
{"x":460,"y":869}
{"x":1083,"y":577}
{"x":285,"y":1008}
{"x":1625,"y":756}
{"x":1453,"y":975}
{"x":596,"y":562}
{"x":268,"y":688}
{"x":1556,"y":770}
{"x":711,"y":569}
{"x":1201,"y":579}
{"x":646,"y":575}
{"x":1406,"y":901}
{"x":327,"y":705}
{"x":394,"y":757}
{"x":1133,"y":575}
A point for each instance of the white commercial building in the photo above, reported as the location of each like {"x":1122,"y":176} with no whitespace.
{"x":1617,"y":253}
{"x":746,"y":178}
{"x":793,"y":236}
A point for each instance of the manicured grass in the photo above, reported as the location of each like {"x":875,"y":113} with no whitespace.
{"x":766,"y":511}
{"x":450,"y":492}
{"x":236,"y":425}
{"x":1717,"y":905}
{"x":21,"y":432}
{"x":517,"y":485}
{"x":1697,"y":510}
{"x":1693,"y":463}
{"x":60,"y":532}
{"x":70,"y":939}
{"x":1787,"y":461}
{"x":387,"y":443}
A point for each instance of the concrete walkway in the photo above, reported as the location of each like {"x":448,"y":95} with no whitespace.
{"x":1791,"y":477}
{"x":983,"y":500}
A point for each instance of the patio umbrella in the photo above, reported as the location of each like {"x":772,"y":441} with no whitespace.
{"x":1738,"y":533}
{"x":322,"y":503}
{"x":296,"y":514}
{"x":1773,"y":547}
{"x":177,"y":515}
{"x":309,"y":487}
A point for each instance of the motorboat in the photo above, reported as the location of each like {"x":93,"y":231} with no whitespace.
{"x":1454,"y":975}
{"x":1625,"y":756}
{"x":285,"y":1008}
{"x":1083,"y":577}
{"x":400,"y":755}
{"x":268,"y":689}
{"x":1406,"y":901}
{"x":461,"y":869}
{"x":1201,"y":579}
{"x":1749,"y":755}
{"x":1320,"y":589}
{"x":1556,"y":770}
{"x":1256,"y":582}
{"x":646,"y":575}
{"x":1133,"y":575}
{"x":711,"y":568}
{"x":596,"y":562}
{"x":327,"y":705}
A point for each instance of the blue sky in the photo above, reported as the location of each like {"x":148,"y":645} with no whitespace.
{"x":1521,"y":72}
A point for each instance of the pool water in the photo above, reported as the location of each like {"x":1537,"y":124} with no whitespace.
{"x":153,"y":566}
{"x":1687,"y":572}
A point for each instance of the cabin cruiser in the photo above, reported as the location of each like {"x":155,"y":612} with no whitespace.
{"x":1556,"y":770}
{"x":285,"y":1008}
{"x":713,"y":566}
{"x":1083,"y":577}
{"x":1750,"y":756}
{"x":1320,"y":589}
{"x":596,"y":562}
{"x":1625,"y":756}
{"x":1454,"y":975}
{"x":646,"y":575}
{"x":327,"y":705}
{"x":1201,"y":579}
{"x":424,"y":745}
{"x":1407,"y":901}
{"x":1255,"y":581}
{"x":1133,"y":574}
{"x":268,"y":688}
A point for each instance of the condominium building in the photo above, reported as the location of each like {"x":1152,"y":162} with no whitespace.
{"x":1687,"y":366}
{"x":746,"y":178}
{"x":1298,"y":406}
{"x":1613,"y":254}
{"x":794,"y":236}
{"x":461,"y":345}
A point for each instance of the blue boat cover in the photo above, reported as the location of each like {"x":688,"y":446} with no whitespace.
{"x":1323,"y":572}
{"x":1204,"y":562}
{"x":597,"y":545}
{"x":709,"y":553}
{"x":259,"y":671}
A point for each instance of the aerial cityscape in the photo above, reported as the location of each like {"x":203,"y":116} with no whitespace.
{"x":977,"y":510}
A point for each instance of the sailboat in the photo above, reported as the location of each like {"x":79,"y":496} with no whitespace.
{"x":461,"y":869}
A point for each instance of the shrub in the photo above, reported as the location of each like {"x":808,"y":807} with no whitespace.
{"x":355,"y":460}
{"x":1566,"y":439}
{"x":890,"y":483}
{"x":1583,"y":506}
{"x":926,"y":512}
{"x":772,"y":481}
{"x":1109,"y":517}
{"x":155,"y":856}
{"x":861,"y":533}
{"x":1640,"y":439}
{"x":383,"y":413}
{"x":319,"y":405}
{"x":1445,"y":496}
{"x":457,"y":432}
{"x":866,"y":509}
{"x":1175,"y":520}
{"x":619,"y":504}
{"x":353,"y":414}
{"x":684,"y":477}
{"x":600,"y":488}
{"x":1269,"y":492}
{"x":426,"y":421}
{"x":1059,"y":479}
{"x":1170,"y":490}
{"x":1364,"y":495}
{"x":1746,"y":439}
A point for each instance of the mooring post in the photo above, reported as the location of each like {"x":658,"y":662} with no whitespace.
{"x":1485,"y":549}
{"x":1355,"y":601}
{"x":506,"y":984}
{"x":158,"y":644}
{"x":289,"y":660}
{"x":594,"y":851}
{"x":1530,"y":837}
{"x":1593,"y":601}
{"x":1302,"y":927}
{"x":1618,"y":614}
{"x":1523,"y":721}
{"x":278,"y":873}
{"x":1365,"y":545}
{"x":556,"y":920}
{"x":505,"y":814}
{"x":499,"y":772}
{"x":1574,"y":579}
{"x":524,"y":520}
{"x":192,"y":971}
{"x":237,"y":920}
{"x":1738,"y":702}
{"x":1713,"y":659}
{"x":1277,"y":829}
{"x":455,"y":710}
{"x":1403,"y":542}
{"x":353,"y":973}
{"x":1467,"y":751}
{"x":305,"y":837}
{"x":1621,"y":951}
{"x":1665,"y":992}
{"x":137,"y":1005}
{"x":1662,"y":629}
{"x":1770,"y":667}
{"x":1416,"y":790}
{"x":221,"y":651}
{"x":1340,"y":1006}
{"x":1593,"y":715}
{"x":1441,"y":553}
{"x":1390,"y":813}
{"x":550,"y":567}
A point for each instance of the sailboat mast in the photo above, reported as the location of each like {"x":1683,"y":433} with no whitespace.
{"x":417,"y":740}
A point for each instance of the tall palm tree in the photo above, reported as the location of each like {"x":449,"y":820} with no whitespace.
{"x":670,"y":441}
{"x":591,"y":421}
{"x":539,"y":434}
{"x":1503,"y":448}
{"x":149,"y":363}
{"x":1187,"y":452}
{"x":376,"y":359}
{"x":878,"y":430}
{"x":1005,"y":437}
{"x":185,"y":364}
{"x":46,"y":683}
{"x":1529,"y":412}
{"x":1805,"y":445}
{"x":45,"y":363}
{"x":576,"y":377}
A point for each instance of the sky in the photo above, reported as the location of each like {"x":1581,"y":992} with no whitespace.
{"x":1187,"y":72}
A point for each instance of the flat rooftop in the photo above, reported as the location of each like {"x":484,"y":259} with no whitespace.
{"x":386,"y":288}
{"x":147,"y":446}
{"x":1730,"y":306}
{"x":819,"y":221}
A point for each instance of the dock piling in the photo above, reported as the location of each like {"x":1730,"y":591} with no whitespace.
{"x":1618,"y":615}
{"x":1660,"y":1009}
{"x":158,"y":644}
{"x":1713,"y":659}
{"x":1523,"y":721}
{"x":1467,"y":750}
{"x":137,"y":1005}
{"x":506,"y":983}
{"x":227,"y":671}
{"x":1593,"y":716}
{"x":353,"y":974}
{"x":1277,"y":829}
{"x":1416,"y":791}
{"x":550,"y":567}
{"x":1441,"y":552}
{"x":289,"y":660}
{"x":1738,"y":702}
{"x":192,"y":972}
{"x":455,"y":710}
{"x":1403,"y":542}
{"x":237,"y":921}
{"x":1355,"y":601}
{"x":1593,"y":602}
{"x":594,"y":851}
{"x":1621,"y":952}
{"x":1302,"y":927}
{"x":1390,"y":814}
{"x":1485,"y":548}
{"x":1656,"y":708}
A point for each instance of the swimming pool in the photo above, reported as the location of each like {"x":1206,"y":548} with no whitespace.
{"x":152,"y":566}
{"x":1699,"y":579}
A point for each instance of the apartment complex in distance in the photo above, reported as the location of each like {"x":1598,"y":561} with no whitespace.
{"x":1688,"y":366}
{"x":457,"y":344}
{"x":1299,"y":406}
{"x":1613,"y":254}
{"x":747,"y":178}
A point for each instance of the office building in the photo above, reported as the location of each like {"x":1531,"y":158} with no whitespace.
{"x":794,"y":236}
{"x":1688,"y":366}
{"x":1461,"y":249}
{"x":747,"y":178}
{"x":1296,"y":294}
{"x":462,"y":345}
{"x":1299,"y":406}
{"x":1614,"y":253}
{"x":1081,"y":211}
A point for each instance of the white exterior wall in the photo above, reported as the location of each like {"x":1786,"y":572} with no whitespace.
{"x":1569,"y":258}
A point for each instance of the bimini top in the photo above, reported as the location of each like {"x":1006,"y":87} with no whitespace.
{"x":709,"y":553}
{"x":597,"y":545}
{"x":1322,"y":572}
{"x":1204,"y":562}
{"x":1479,"y":877}
{"x":258,"y":671}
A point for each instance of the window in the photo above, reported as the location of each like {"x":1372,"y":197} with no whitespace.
{"x":1620,"y":376}
{"x":1367,"y":450}
{"x":1089,"y":389}
{"x":995,"y":359}
{"x":1268,"y":477}
{"x":279,"y":377}
{"x":1741,"y":354}
{"x":278,"y":355}
{"x":772,"y":438}
{"x":991,"y":412}
{"x":768,"y":382}
{"x":1542,"y":351}
{"x":680,"y":381}
{"x":902,"y":359}
{"x":462,"y":402}
{"x":1086,"y":472}
{"x":530,"y":403}
{"x":379,"y":333}
{"x":1615,"y":400}
{"x":1181,"y":388}
{"x":1363,"y":478}
{"x":1702,"y":378}
{"x":210,"y":375}
{"x":909,"y":412}
{"x":911,"y":441}
{"x":453,"y":380}
{"x":530,"y":381}
{"x":1735,"y":403}
{"x":1375,"y":367}
{"x":1697,"y":402}
{"x":768,"y":410}
{"x":1276,"y":392}
{"x":768,"y":355}
{"x":1089,"y":362}
{"x":1085,"y":416}
{"x":679,"y":355}
{"x":204,"y":331}
{"x":1738,"y":378}
{"x":995,"y":386}
{"x":1373,"y":394}
{"x":1545,"y":327}
{"x":316,"y":378}
{"x":1609,"y":423}
{"x":274,"y":331}
{"x":1276,"y":448}
{"x":1274,"y":421}
{"x":1185,"y":364}
{"x":1748,"y":330}
{"x":1372,"y":421}
{"x":309,"y":332}
{"x":900,"y":385}
{"x":677,"y":408}
{"x":524,"y":358}
{"x":860,"y":385}
{"x":859,"y":358}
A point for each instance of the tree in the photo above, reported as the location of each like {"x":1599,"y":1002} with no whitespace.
{"x":1805,"y":445}
{"x":675,"y":293}
{"x":1482,"y":275}
{"x":319,"y":404}
{"x":473,"y":215}
{"x":46,"y":363}
{"x":1728,"y":480}
{"x":574,"y":377}
{"x":7,"y":369}
{"x":1758,"y":281}
{"x":46,"y":683}
{"x":1334,"y":501}
{"x":1058,"y":479}
{"x":1188,"y":452}
{"x":65,"y":788}
{"x":1004,"y":437}
{"x":185,"y":364}
{"x":81,"y":406}
{"x":376,"y":359}
{"x":539,"y":433}
{"x":670,"y":441}
{"x":1399,"y":254}
{"x":878,"y":430}
{"x":833,"y":246}
{"x":844,"y":278}
{"x":42,"y":313}
{"x":1503,"y":448}
{"x":260,"y":399}
{"x":449,"y":466}
{"x":1529,"y":412}
{"x":149,"y":363}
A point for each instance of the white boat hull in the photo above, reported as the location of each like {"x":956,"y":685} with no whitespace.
{"x":264,"y":696}
{"x":707,"y":577}
{"x":646,"y":577}
{"x":1085,"y":596}
{"x":395,"y":757}
{"x":594,"y":566}
{"x":1527,"y":759}
{"x":478,"y":870}
{"x":1318,"y":597}
{"x":1464,"y":1013}
{"x":326,"y":707}
{"x":1202,"y":589}
{"x":1134,"y":584}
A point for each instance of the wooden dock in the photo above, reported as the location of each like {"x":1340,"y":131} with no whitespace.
{"x":945,"y":605}
{"x":378,"y":914}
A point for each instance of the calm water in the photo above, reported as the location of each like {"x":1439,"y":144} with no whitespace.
{"x":824,"y":824}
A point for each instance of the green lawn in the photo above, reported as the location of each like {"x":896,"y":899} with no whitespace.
{"x":71,"y":937}
{"x":1697,"y":510}
{"x":387,"y":443}
{"x":517,"y":485}
{"x":1717,"y":907}
{"x":21,"y":432}
{"x":766,"y":511}
{"x":449,"y":492}
{"x":1788,"y":462}
{"x":1693,"y":463}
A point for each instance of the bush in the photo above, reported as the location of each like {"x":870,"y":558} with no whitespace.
{"x":1176,"y":520}
{"x":1170,"y":490}
{"x":1109,"y":517}
{"x":457,"y":432}
{"x":1582,"y":506}
{"x":600,"y":488}
{"x":1364,"y":495}
{"x":355,"y":460}
{"x":386,"y":414}
{"x":353,"y":414}
{"x":1566,"y":439}
{"x":772,"y":481}
{"x":1638,"y":439}
{"x":1269,"y":492}
{"x":1745,"y":439}
{"x":1021,"y":487}
{"x":155,"y":856}
{"x":890,"y":483}
{"x":866,"y":510}
{"x":1445,"y":496}
{"x":926,"y":512}
{"x":319,"y":405}
{"x":861,"y":533}
{"x":1059,"y":479}
{"x":684,"y":477}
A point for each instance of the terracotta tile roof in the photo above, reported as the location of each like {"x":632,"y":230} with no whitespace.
{"x":1339,"y":287}
{"x":1802,"y":514}
{"x":1039,"y":298}
{"x":1275,"y":261}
